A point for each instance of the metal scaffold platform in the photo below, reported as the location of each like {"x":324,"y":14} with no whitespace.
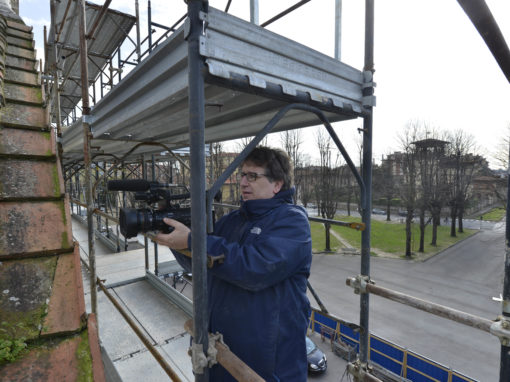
{"x":211,"y":77}
{"x":251,"y":73}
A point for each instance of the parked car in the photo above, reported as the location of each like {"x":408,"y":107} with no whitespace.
{"x":403,"y":213}
{"x":378,"y":211}
{"x":317,"y":362}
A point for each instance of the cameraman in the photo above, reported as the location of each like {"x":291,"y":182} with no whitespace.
{"x":257,"y":297}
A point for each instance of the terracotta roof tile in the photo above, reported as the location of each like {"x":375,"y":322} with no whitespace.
{"x":57,"y":361}
{"x":29,"y":179}
{"x":66,"y":296}
{"x":34,"y":227}
{"x":24,"y":116}
{"x":26,"y":142}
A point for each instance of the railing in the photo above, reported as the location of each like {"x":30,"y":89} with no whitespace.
{"x":398,"y":360}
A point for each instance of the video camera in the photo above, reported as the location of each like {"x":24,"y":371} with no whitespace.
{"x":150,"y":218}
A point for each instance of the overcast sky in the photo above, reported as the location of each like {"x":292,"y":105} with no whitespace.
{"x":431,"y":63}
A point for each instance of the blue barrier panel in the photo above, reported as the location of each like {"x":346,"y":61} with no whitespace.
{"x":391,"y":357}
{"x":456,"y":377}
{"x":326,"y":321}
{"x":388,"y":355}
{"x":417,"y":377}
{"x":349,"y":336}
{"x":427,"y":367}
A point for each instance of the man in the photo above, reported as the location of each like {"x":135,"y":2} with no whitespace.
{"x":257,"y":297}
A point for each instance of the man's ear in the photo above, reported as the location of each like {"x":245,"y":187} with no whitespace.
{"x":277,"y":186}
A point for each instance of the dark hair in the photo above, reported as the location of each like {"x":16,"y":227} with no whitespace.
{"x":275,"y":161}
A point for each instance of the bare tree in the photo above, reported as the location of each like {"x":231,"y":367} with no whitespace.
{"x":461,"y":165}
{"x":500,"y":154}
{"x":430,"y":154}
{"x":407,"y":184}
{"x":241,"y":143}
{"x":502,"y":159}
{"x":384,"y":182}
{"x":291,"y":142}
{"x":304,"y":172}
{"x":326,"y":187}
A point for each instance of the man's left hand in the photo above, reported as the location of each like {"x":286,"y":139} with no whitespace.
{"x":177,"y":239}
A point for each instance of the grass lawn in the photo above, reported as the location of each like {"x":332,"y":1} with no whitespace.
{"x":496,"y":214}
{"x":319,"y":239}
{"x":388,"y":237}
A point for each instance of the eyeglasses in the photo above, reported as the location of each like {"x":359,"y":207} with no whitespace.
{"x":250,"y":176}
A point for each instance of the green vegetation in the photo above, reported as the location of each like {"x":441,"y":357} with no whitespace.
{"x":388,"y":237}
{"x":496,"y":214}
{"x":84,"y":359}
{"x":10,"y":348}
{"x":319,"y":238}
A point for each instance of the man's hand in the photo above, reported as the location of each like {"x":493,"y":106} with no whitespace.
{"x":177,"y":239}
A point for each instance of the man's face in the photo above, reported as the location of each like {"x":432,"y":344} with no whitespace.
{"x":262,"y":187}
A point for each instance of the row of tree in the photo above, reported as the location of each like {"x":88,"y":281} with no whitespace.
{"x":432,"y":172}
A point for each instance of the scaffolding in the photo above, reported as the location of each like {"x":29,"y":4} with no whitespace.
{"x":198,"y":83}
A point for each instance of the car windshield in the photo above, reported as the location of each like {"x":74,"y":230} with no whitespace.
{"x":310,"y":346}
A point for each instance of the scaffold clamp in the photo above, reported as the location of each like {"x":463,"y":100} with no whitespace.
{"x":212,"y":352}
{"x":359,"y":283}
{"x":501,"y":329}
{"x":198,"y":358}
{"x":361,"y":371}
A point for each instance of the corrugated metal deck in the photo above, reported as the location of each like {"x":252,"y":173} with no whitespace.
{"x":111,"y":32}
{"x":250,"y":74}
{"x":157,"y":317}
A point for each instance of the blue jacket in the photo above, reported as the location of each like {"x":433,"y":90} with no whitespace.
{"x":257,"y":297}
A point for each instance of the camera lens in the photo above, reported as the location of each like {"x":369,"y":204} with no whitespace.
{"x":132,"y":221}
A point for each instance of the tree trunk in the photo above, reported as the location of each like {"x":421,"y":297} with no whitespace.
{"x":422,"y":232}
{"x":460,"y":217}
{"x":409,"y":234}
{"x":453,"y":217}
{"x":388,"y":209}
{"x":328,"y":241}
{"x":435,"y":219}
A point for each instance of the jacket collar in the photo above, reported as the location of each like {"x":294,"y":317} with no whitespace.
{"x":260,"y":207}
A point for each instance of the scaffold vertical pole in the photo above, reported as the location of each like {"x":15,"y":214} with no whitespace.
{"x":504,"y":372}
{"x":56,"y":87}
{"x":155,"y":245}
{"x":145,"y":240}
{"x":138,"y":48}
{"x":149,"y":24}
{"x":338,"y":29}
{"x":254,"y":12}
{"x":86,"y":155}
{"x":367,"y":179}
{"x":197,"y":182}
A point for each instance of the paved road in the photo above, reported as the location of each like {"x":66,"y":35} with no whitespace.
{"x":464,"y":277}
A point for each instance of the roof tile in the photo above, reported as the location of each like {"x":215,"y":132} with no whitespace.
{"x":26,"y":142}
{"x":29,"y":179}
{"x":67,"y":304}
{"x":33,"y":227}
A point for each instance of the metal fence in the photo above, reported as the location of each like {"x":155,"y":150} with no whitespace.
{"x":394,"y":358}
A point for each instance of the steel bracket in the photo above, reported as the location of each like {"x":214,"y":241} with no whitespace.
{"x":87,"y":118}
{"x":501,"y":329}
{"x":204,"y":16}
{"x":212,"y":352}
{"x":198,"y":359}
{"x":359,"y":283}
{"x":368,"y":101}
{"x":360,"y":370}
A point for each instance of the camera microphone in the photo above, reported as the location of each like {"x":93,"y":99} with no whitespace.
{"x":129,"y":185}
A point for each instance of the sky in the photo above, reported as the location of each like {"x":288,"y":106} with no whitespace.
{"x":431,"y":64}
